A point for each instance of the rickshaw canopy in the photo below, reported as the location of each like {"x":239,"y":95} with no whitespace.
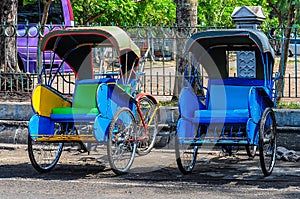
{"x":215,"y":43}
{"x":73,"y":45}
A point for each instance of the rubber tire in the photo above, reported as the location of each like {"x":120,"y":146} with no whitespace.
{"x":185,"y":165}
{"x":152,"y":132}
{"x":267,"y":165}
{"x":42,"y":167}
{"x":123,"y":140}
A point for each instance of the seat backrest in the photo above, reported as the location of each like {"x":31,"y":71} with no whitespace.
{"x":85,"y":92}
{"x":85,"y":96}
{"x":188,"y":103}
{"x":228,"y":97}
{"x":111,"y":97}
{"x":45,"y":98}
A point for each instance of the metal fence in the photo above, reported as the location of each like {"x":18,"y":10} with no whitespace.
{"x":159,"y":44}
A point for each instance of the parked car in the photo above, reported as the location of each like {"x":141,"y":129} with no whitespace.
{"x":294,"y":47}
{"x":163,"y":49}
{"x":29,"y":16}
{"x":159,"y":49}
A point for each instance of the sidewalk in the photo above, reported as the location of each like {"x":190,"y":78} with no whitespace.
{"x":14,"y":119}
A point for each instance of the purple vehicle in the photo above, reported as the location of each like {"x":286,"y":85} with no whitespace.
{"x":29,"y":17}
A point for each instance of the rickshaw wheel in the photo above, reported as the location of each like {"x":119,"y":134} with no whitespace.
{"x":186,"y":156}
{"x":146,"y":141}
{"x":251,"y":150}
{"x":267,"y":141}
{"x":121,"y":146}
{"x":44,"y":155}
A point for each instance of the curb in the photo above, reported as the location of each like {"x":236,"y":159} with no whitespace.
{"x":14,"y":119}
{"x":9,"y":147}
{"x":13,"y":123}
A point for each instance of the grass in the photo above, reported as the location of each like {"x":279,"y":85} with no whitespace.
{"x":288,"y":105}
{"x":280,"y":105}
{"x":169,"y":103}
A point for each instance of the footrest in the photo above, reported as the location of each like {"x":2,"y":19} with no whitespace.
{"x":235,"y":142}
{"x":66,"y":138}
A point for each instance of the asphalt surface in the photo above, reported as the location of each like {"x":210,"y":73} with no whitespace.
{"x":82,"y":175}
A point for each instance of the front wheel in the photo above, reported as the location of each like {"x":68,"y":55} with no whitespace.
{"x":44,"y":155}
{"x":267,"y":141}
{"x":121,"y":146}
{"x":186,"y":155}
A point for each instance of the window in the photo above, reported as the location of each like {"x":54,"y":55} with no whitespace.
{"x":32,"y":12}
{"x":241,"y":64}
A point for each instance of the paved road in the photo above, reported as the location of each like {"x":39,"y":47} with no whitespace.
{"x":152,"y":176}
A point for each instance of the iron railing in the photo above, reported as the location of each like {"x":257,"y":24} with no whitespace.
{"x":160,"y":68}
{"x":156,"y":84}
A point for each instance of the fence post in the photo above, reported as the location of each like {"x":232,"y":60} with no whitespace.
{"x":296,"y":61}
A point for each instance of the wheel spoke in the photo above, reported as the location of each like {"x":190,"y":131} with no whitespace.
{"x":267,"y":141}
{"x":185,"y":156}
{"x":121,"y":145}
{"x":146,"y":135}
{"x":45,"y":155}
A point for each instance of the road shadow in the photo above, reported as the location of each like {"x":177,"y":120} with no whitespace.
{"x":63,"y":172}
{"x":160,"y":167}
{"x":225,"y":170}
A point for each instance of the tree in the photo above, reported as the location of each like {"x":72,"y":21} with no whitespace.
{"x":8,"y":18}
{"x":121,"y":12}
{"x":47,"y":5}
{"x":218,"y":12}
{"x":186,"y":20}
{"x":286,"y":13}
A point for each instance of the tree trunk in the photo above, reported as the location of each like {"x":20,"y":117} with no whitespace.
{"x":290,"y":4}
{"x":43,"y":23}
{"x":8,"y":52}
{"x":283,"y":58}
{"x":186,"y":19}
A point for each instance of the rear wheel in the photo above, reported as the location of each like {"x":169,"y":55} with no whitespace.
{"x":146,"y":140}
{"x":44,"y":155}
{"x":186,"y":155}
{"x":121,"y":144}
{"x":251,"y":150}
{"x":267,"y":141}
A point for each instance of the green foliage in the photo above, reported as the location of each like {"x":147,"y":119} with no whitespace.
{"x":120,"y":12}
{"x":158,"y":12}
{"x":283,"y":7}
{"x":218,"y":12}
{"x":26,"y":2}
{"x":173,"y":103}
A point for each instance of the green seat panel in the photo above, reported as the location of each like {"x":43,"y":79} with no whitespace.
{"x":85,"y":96}
{"x":84,"y":101}
{"x":72,"y":111}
